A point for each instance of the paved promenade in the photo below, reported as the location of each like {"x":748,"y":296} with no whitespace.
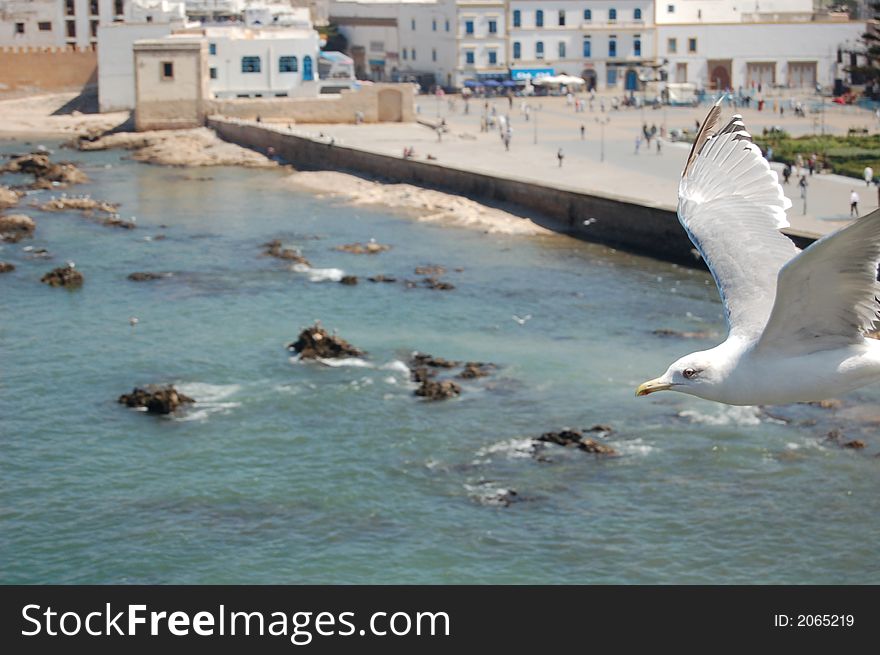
{"x":605,"y":160}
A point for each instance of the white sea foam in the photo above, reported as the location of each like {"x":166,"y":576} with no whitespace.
{"x":319,"y":274}
{"x":513,"y":448}
{"x":355,"y":362}
{"x":634,"y":447}
{"x":396,"y":366}
{"x":208,"y":399}
{"x":748,"y":415}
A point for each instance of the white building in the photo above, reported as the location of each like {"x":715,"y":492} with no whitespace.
{"x":728,"y":44}
{"x":56,"y":23}
{"x":610,"y":43}
{"x":482,"y":40}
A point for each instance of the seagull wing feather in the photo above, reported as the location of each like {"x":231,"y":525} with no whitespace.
{"x":731,"y":205}
{"x":826,"y":297}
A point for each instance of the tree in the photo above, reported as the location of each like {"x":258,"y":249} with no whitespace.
{"x":867,"y":72}
{"x":335,"y":40}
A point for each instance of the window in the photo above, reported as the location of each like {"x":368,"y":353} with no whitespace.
{"x":433,"y":54}
{"x":19,"y":28}
{"x":149,"y":19}
{"x":671,"y":46}
{"x":288,"y":64}
{"x":93,"y":27}
{"x":637,"y":46}
{"x":612,"y":15}
{"x":412,"y":24}
{"x":250,"y":64}
{"x":447,"y":25}
{"x":377,"y":46}
{"x":562,"y":49}
{"x":561,"y":18}
{"x":434,"y":25}
{"x":469,"y":57}
{"x":493,"y":57}
{"x":670,"y":9}
{"x":588,"y":15}
{"x":517,"y":50}
{"x":70,"y":8}
{"x":612,"y":46}
{"x":71,"y":29}
{"x":118,"y":8}
{"x":167,"y":70}
{"x":517,"y":18}
{"x":587,"y":48}
{"x":612,"y":77}
{"x":212,"y":48}
{"x":469,"y":27}
{"x":637,"y":14}
{"x":539,"y":50}
{"x":308,"y":75}
{"x":404,"y":53}
{"x":93,"y":7}
{"x":493,"y":27}
{"x":412,"y":53}
{"x":539,"y":18}
{"x":44,"y":27}
{"x":212,"y":72}
{"x":692,"y":45}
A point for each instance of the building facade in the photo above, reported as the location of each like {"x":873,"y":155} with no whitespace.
{"x":56,"y":23}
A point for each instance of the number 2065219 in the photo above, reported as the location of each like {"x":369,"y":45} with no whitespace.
{"x":813,"y":621}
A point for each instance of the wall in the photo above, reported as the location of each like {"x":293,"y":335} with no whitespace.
{"x":728,"y":11}
{"x":46,"y":70}
{"x":170,"y":104}
{"x":323,"y":109}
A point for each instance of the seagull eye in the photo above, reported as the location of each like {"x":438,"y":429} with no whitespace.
{"x":689,"y":373}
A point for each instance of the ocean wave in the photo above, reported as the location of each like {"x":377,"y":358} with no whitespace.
{"x":748,"y":415}
{"x":319,"y":274}
{"x":208,"y":399}
{"x":513,"y":448}
{"x":634,"y":447}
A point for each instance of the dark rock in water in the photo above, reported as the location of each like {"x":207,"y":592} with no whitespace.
{"x":350,"y":280}
{"x":607,"y":429}
{"x":475,"y":370}
{"x":64,"y":276}
{"x":421,"y":374}
{"x":664,"y":332}
{"x":15,"y":227}
{"x":146,"y":277}
{"x":434,"y":390}
{"x":274,"y":249}
{"x":157,"y":400}
{"x":39,"y":253}
{"x":575,"y":439}
{"x":855,"y":444}
{"x":114,"y":221}
{"x":315,"y":342}
{"x":159,"y":237}
{"x":6,"y":267}
{"x":382,"y":278}
{"x":831,"y":403}
{"x":437,"y":284}
{"x":370,"y":248}
{"x":430,"y":270}
{"x":424,"y":359}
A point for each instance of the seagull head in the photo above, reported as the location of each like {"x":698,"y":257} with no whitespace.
{"x":696,"y":374}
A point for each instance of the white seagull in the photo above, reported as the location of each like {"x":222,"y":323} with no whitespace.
{"x":797,"y":319}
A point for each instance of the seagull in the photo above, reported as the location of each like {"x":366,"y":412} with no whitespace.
{"x":133,"y":320}
{"x":796,"y":319}
{"x":523,"y":320}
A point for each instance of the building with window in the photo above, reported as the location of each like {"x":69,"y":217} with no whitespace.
{"x":610,"y":43}
{"x":482,"y":41}
{"x":59,"y":23}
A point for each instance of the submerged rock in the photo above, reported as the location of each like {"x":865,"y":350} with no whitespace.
{"x":437,"y":284}
{"x":474,"y":370}
{"x":146,"y":277}
{"x":15,"y":227}
{"x":665,"y":332}
{"x":369,"y":248}
{"x":382,"y":278}
{"x":830,"y":403}
{"x":275,"y":249}
{"x":63,"y":276}
{"x":431,"y":270}
{"x":424,"y":359}
{"x":350,"y":280}
{"x":437,"y":390}
{"x":837,"y":437}
{"x":575,"y":439}
{"x":82,"y":204}
{"x":156,"y":399}
{"x":45,"y":172}
{"x":316,"y":343}
{"x":6,"y":267}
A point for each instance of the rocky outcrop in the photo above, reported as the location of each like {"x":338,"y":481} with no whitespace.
{"x":156,"y":399}
{"x":64,"y":276}
{"x":78,"y":203}
{"x":349,"y":280}
{"x":430,"y":283}
{"x":431,"y":271}
{"x":47,"y":174}
{"x":15,"y":227}
{"x":8,"y":197}
{"x":437,"y":390}
{"x":575,"y":439}
{"x":369,"y":248}
{"x":316,"y":343}
{"x":6,"y":267}
{"x":147,"y":277}
{"x":473,"y":370}
{"x":382,"y":278}
{"x":423,"y":359}
{"x":276,"y":249}
{"x":837,"y":437}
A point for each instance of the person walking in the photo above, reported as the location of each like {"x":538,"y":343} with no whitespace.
{"x":658,"y":146}
{"x":854,"y":204}
{"x":583,"y":131}
{"x":560,"y":156}
{"x":869,"y":175}
{"x":786,"y":173}
{"x":638,"y":142}
{"x":803,"y":186}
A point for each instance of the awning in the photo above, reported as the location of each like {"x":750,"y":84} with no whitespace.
{"x":530,"y":73}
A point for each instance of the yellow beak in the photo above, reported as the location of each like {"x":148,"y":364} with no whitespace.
{"x":651,"y":386}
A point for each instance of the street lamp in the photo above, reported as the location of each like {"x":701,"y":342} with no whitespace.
{"x":602,"y":123}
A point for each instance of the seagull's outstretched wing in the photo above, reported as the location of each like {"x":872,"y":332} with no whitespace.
{"x":732,"y":207}
{"x":826,"y":297}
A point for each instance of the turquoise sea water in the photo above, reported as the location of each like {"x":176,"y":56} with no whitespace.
{"x":292,"y":473}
